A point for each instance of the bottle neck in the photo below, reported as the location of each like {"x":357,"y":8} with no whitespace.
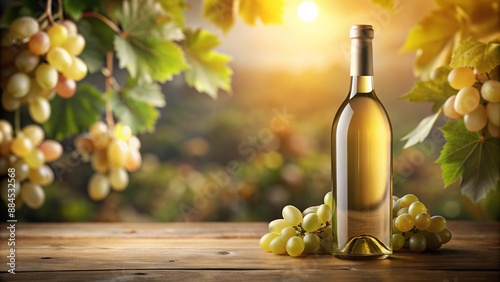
{"x":361,"y":84}
{"x":361,"y":66}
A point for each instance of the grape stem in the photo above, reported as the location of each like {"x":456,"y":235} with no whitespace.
{"x":48,"y":11}
{"x":108,"y":73}
{"x":60,"y":12}
{"x":105,"y":20}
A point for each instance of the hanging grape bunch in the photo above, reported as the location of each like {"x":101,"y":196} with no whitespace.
{"x":112,"y":153}
{"x":45,"y":63}
{"x":477,"y":100}
{"x":28,"y":154}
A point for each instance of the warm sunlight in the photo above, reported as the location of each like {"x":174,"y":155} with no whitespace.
{"x":307,"y":11}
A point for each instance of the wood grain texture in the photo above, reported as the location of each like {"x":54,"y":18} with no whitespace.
{"x":227,"y":252}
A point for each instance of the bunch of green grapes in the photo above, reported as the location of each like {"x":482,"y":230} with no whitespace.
{"x":40,"y":63}
{"x":414,"y":227}
{"x":28,"y":154}
{"x":112,"y":153}
{"x":300,"y":232}
{"x":477,"y":100}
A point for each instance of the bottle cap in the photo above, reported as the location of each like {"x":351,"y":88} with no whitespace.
{"x":361,"y":31}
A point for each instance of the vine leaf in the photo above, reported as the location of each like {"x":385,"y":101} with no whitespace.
{"x":74,"y":115}
{"x":422,"y":130}
{"x":474,"y":54}
{"x":208,"y":69}
{"x":175,"y":9}
{"x":136,"y":111}
{"x":76,"y":8}
{"x":471,"y":157}
{"x":269,"y":12}
{"x":99,"y":41}
{"x":148,"y":93}
{"x":436,"y":90}
{"x":146,"y":49}
{"x":220,"y":13}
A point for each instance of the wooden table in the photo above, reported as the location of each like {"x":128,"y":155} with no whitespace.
{"x":227,"y":252}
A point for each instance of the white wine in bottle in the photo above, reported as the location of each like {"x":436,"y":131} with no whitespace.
{"x":362,"y":162}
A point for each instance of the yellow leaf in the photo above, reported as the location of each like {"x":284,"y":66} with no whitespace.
{"x":219,"y":12}
{"x":269,"y":11}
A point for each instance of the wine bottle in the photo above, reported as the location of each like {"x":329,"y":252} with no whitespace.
{"x":362,"y":162}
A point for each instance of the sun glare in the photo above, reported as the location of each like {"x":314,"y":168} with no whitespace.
{"x":307,"y":11}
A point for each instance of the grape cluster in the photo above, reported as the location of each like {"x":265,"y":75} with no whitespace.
{"x":477,"y":100}
{"x":28,"y":154}
{"x":40,"y":63}
{"x":300,"y":232}
{"x":414,"y":227}
{"x":112,"y":152}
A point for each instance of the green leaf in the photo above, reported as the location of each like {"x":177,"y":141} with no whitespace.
{"x":148,"y":93}
{"x":131,"y":109}
{"x":74,"y":115}
{"x":76,"y":8}
{"x":269,"y":12}
{"x":220,"y":13}
{"x":175,"y":9}
{"x":387,"y":4}
{"x":208,"y":69}
{"x":99,"y":40}
{"x":433,"y":38}
{"x":471,"y":157}
{"x":146,"y":49}
{"x":474,"y":54}
{"x":437,"y":90}
{"x":422,"y":130}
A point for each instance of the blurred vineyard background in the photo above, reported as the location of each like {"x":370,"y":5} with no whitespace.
{"x":245,"y":155}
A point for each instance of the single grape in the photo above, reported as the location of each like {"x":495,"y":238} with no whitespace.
{"x":25,"y":61}
{"x":493,"y":112}
{"x":266,"y":240}
{"x":6,"y":129}
{"x":311,"y":243}
{"x":398,"y":241}
{"x":402,"y":211}
{"x":295,"y":246}
{"x":100,"y":161}
{"x":74,"y":44}
{"x":311,"y":222}
{"x":10,"y":103}
{"x":84,"y":145}
{"x":59,"y":58}
{"x":395,"y":207}
{"x":277,"y":246}
{"x":417,"y":243}
{"x":287,"y":233}
{"x":77,"y":71}
{"x":406,"y":200}
{"x":42,"y":175}
{"x":461,"y":77}
{"x":99,"y":135}
{"x":34,"y":133}
{"x":422,"y":221}
{"x":23,"y":27}
{"x":18,"y":85}
{"x":324,"y":213}
{"x":117,"y":153}
{"x":58,"y":34}
{"x":432,"y":241}
{"x":394,"y":228}
{"x":37,"y":91}
{"x":98,"y":188}
{"x":292,"y":215}
{"x":35,"y":159}
{"x":312,"y":209}
{"x":66,"y":87}
{"x":491,"y":91}
{"x":476,"y":120}
{"x":21,"y":146}
{"x":39,"y":43}
{"x":416,"y":208}
{"x":70,"y":26}
{"x":449,"y":107}
{"x":328,"y":199}
{"x":405,"y":222}
{"x":134,"y":142}
{"x":39,"y":110}
{"x":32,"y":194}
{"x":277,"y":225}
{"x":467,"y":100}
{"x":51,"y":149}
{"x":122,"y":131}
{"x":133,"y":160}
{"x":118,"y":179}
{"x":493,"y":130}
{"x":22,"y":170}
{"x":327,"y":232}
{"x":438,"y":223}
{"x":445,"y":236}
{"x":46,"y":76}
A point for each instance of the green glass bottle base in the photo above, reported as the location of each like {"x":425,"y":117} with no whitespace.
{"x":364,"y":247}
